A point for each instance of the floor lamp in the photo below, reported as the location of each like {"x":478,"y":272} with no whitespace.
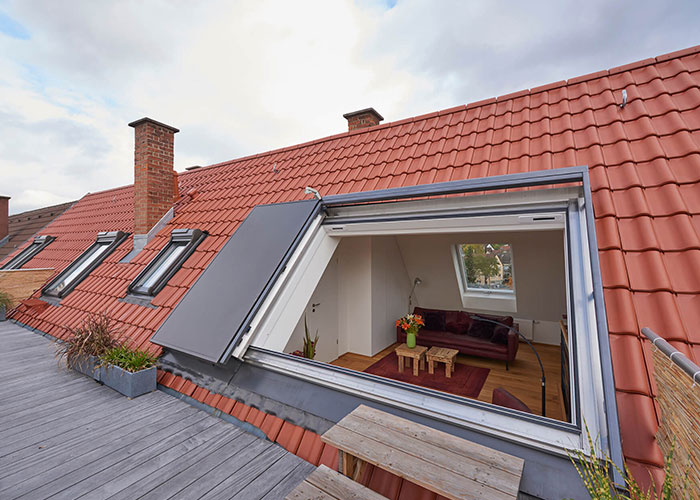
{"x":481,"y":318}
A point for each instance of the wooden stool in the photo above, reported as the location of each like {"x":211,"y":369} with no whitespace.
{"x":417,"y":354}
{"x":442,"y":355}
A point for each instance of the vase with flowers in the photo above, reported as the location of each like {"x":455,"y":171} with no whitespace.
{"x":410,"y":324}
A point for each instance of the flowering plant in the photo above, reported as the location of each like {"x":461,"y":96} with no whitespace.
{"x":411,"y":323}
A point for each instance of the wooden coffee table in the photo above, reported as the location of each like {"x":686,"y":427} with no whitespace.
{"x":442,"y":355}
{"x":417,"y":354}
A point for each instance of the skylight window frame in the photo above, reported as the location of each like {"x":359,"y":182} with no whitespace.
{"x":111,"y":240}
{"x":28,"y":253}
{"x":190,"y":239}
{"x":465,"y":289}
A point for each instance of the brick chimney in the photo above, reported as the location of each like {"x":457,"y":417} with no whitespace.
{"x":155,"y":180}
{"x":4,"y":216}
{"x":363,"y":118}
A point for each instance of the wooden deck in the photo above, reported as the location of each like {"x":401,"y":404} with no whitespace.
{"x":63,"y":435}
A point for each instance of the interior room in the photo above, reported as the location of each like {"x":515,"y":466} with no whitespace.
{"x":511,"y":284}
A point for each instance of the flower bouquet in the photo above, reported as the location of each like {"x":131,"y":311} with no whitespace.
{"x":410,"y":324}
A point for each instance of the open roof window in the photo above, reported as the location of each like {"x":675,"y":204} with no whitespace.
{"x":39,"y":243}
{"x":80,"y":268}
{"x":158,"y":272}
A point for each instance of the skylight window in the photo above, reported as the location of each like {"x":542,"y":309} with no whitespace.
{"x":486,"y":267}
{"x":80,"y":268}
{"x":159,"y":271}
{"x":39,"y":243}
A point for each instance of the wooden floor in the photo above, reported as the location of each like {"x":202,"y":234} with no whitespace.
{"x":63,"y":435}
{"x":522,"y":380}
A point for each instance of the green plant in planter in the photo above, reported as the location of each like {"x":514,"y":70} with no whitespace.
{"x":596,"y":474}
{"x":131,"y":360}
{"x":94,"y":337}
{"x":309,"y":350}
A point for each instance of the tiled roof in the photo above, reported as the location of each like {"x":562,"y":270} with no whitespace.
{"x":25,"y":225}
{"x":644,"y":162}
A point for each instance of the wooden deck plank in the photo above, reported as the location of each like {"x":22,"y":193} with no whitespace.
{"x":425,"y":451}
{"x":305,"y":491}
{"x":176,"y":484}
{"x":469,"y":449}
{"x":128,"y":476}
{"x":144,"y":485}
{"x":63,"y":435}
{"x":399,"y":463}
{"x":289,"y":482}
{"x":340,"y":486}
{"x":89,"y":448}
{"x":72,"y":474}
{"x":265,"y":482}
{"x":66,"y":442}
{"x":92,"y":475}
{"x":220,"y":482}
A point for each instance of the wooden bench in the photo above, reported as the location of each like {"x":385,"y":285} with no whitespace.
{"x":440,"y":462}
{"x":326,"y":484}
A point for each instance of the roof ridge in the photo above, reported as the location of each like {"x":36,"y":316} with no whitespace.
{"x":476,"y":104}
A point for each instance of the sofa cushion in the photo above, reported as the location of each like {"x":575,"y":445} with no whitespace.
{"x":481,"y":329}
{"x":434,"y":319}
{"x":500,"y":335}
{"x":457,"y":322}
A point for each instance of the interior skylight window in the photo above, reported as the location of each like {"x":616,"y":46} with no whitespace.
{"x":39,"y":243}
{"x":486,"y":267}
{"x":77,"y":271}
{"x":159,"y":271}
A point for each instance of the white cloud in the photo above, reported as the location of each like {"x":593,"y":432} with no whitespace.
{"x":239,"y":78}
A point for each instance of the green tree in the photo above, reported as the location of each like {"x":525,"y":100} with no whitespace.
{"x":477,"y":263}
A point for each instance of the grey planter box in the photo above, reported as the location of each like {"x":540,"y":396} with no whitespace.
{"x":129,"y":384}
{"x":87,"y":366}
{"x":2,"y":313}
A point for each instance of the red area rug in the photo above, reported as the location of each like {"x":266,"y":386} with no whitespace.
{"x":466,"y":380}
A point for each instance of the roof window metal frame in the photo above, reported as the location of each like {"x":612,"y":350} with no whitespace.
{"x":112,"y":239}
{"x":191,"y":238}
{"x":39,"y":243}
{"x":578,"y":174}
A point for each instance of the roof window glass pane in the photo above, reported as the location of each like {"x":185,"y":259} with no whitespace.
{"x":487,"y":266}
{"x":156,"y":274}
{"x":83,"y":265}
{"x":39,"y":243}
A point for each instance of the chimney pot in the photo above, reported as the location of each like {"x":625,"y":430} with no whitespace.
{"x":155,"y":182}
{"x":4,"y":216}
{"x":363,"y":118}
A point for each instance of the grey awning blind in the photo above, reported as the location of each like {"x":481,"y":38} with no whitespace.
{"x":218,"y":308}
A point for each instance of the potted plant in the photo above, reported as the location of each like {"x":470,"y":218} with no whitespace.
{"x":90,"y":340}
{"x":5,"y":304}
{"x":95,"y":350}
{"x":129,"y":371}
{"x":309,"y":349}
{"x":410,"y":324}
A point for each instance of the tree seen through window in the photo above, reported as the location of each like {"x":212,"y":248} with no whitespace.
{"x":488,"y":266}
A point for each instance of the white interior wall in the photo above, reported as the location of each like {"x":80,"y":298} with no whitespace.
{"x":361,"y":294}
{"x":538,"y":269}
{"x":390,"y":288}
{"x":322,"y":319}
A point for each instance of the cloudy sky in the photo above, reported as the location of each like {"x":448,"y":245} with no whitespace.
{"x":243,"y":77}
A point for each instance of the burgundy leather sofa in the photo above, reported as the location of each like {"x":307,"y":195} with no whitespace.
{"x":458,"y":330}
